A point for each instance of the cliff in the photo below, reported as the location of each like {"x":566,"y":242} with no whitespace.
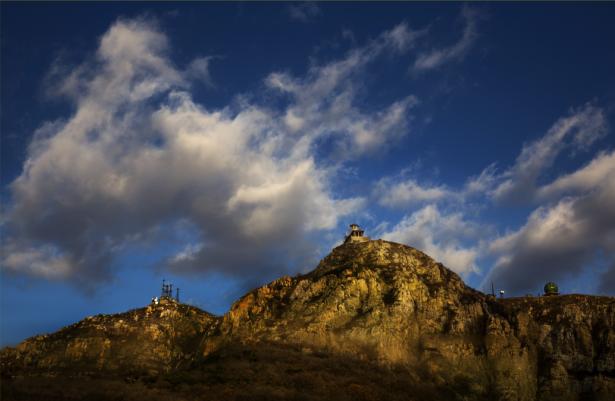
{"x":374,"y":320}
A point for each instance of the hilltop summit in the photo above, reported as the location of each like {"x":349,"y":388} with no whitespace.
{"x":375,"y":295}
{"x":151,"y":340}
{"x":400,"y":324}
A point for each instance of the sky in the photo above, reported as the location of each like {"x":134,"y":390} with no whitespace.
{"x":222,"y":145}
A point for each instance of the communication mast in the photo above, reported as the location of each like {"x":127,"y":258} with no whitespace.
{"x":167,"y":291}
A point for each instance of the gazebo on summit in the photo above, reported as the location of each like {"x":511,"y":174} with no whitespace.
{"x":355,"y":235}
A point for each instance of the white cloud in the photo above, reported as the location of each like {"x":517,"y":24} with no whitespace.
{"x":520,"y":182}
{"x":438,"y":57}
{"x":557,"y":242}
{"x":401,"y":38}
{"x":139,"y":153}
{"x":572,"y":226}
{"x":575,"y":219}
{"x":594,"y":174}
{"x":408,"y":192}
{"x":322,"y":103}
{"x":43,"y":261}
{"x":483,"y":183}
{"x":438,"y":235}
{"x":188,"y":254}
{"x":198,"y":70}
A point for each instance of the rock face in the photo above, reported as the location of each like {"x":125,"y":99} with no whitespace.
{"x":380,"y":303}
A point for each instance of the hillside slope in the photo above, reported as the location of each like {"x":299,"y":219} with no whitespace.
{"x":151,"y":340}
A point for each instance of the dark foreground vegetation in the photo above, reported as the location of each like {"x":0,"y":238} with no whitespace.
{"x":266,"y":372}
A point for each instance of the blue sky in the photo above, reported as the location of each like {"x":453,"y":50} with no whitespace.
{"x":221,"y":145}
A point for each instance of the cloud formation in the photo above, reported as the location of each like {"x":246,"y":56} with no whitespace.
{"x":322,"y":108}
{"x":439,"y":235}
{"x":559,"y":242}
{"x":251,"y":181}
{"x":139,"y":154}
{"x":600,"y":170}
{"x":408,"y":192}
{"x":574,"y":226}
{"x":198,"y":70}
{"x":571,"y":227}
{"x":580,"y":129}
{"x":437,"y":57}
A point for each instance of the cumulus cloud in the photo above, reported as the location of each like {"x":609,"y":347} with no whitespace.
{"x":138,"y":154}
{"x":438,"y":57}
{"x":440,"y":236}
{"x":408,"y":192}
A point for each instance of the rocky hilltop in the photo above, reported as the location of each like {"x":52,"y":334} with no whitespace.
{"x":152,"y":340}
{"x":374,"y":320}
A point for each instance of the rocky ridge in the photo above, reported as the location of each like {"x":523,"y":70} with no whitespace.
{"x":385,"y":305}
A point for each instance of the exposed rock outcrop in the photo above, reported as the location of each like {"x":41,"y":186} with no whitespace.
{"x":376,"y":302}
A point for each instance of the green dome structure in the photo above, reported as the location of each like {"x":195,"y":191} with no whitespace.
{"x":551,"y":289}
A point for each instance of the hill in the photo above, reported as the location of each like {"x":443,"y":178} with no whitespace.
{"x":374,"y":320}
